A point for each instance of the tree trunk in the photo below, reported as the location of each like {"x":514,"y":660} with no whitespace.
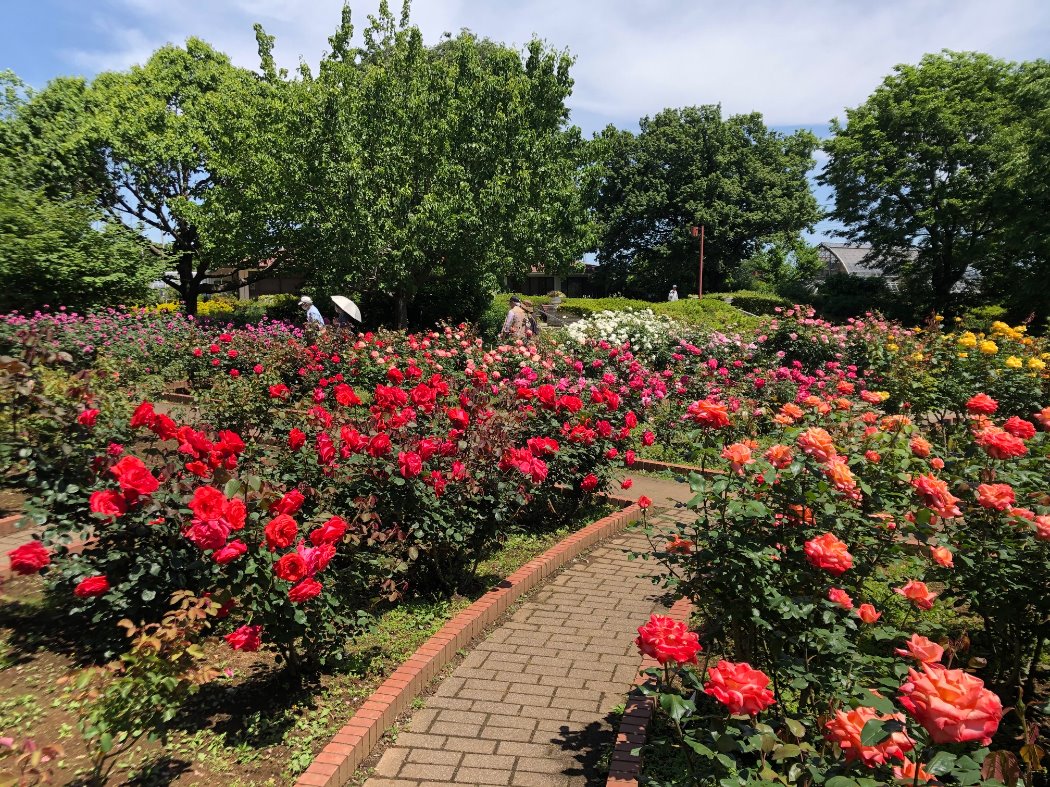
{"x":401,"y":310}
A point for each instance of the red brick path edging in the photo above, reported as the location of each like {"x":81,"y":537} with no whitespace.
{"x":336,"y":764}
{"x":625,"y":767}
{"x":656,"y":466}
{"x":9,"y":524}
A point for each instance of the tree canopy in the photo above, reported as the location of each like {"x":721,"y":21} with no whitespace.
{"x":940,"y":158}
{"x":435,"y":172}
{"x":744,"y":182}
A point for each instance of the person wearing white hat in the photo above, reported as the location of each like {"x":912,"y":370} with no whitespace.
{"x":672,"y":296}
{"x":313,"y":314}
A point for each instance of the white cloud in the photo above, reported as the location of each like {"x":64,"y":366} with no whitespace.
{"x":798,"y":63}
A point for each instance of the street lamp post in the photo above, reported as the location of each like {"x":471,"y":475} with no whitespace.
{"x":700,"y":231}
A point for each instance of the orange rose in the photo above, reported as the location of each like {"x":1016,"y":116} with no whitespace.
{"x":1000,"y":444}
{"x":841,"y":476}
{"x":845,"y":728}
{"x":791,"y":412}
{"x":739,"y":456}
{"x":942,"y":556}
{"x":868,"y":613}
{"x":679,"y":546}
{"x":840,"y":597}
{"x":710,"y":414}
{"x":1042,"y":528}
{"x":1043,"y":417}
{"x":800,"y":515}
{"x":921,"y":649}
{"x":667,"y":640}
{"x":953,"y":706}
{"x":995,"y":496}
{"x":910,"y":771}
{"x":917,"y":593}
{"x":935,"y":496}
{"x":920,"y":447}
{"x":828,"y":553}
{"x":981,"y":404}
{"x":817,"y":443}
{"x":778,"y":455}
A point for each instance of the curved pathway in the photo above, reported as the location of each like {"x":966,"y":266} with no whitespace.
{"x":530,"y":705}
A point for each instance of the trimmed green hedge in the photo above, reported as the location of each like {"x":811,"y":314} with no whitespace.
{"x":753,"y":301}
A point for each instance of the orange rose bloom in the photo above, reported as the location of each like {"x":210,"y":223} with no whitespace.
{"x":868,"y":613}
{"x":942,"y":556}
{"x":1042,"y":528}
{"x":828,"y":553}
{"x":907,"y":772}
{"x":921,"y":649}
{"x":817,"y":443}
{"x":841,"y":476}
{"x":739,"y":455}
{"x":840,"y":597}
{"x":800,"y":515}
{"x":791,"y":411}
{"x":920,"y":447}
{"x":893,"y":422}
{"x":1043,"y":417}
{"x":778,"y":455}
{"x":679,"y":546}
{"x":935,"y":496}
{"x":953,"y":706}
{"x":710,"y":414}
{"x":917,"y":593}
{"x":845,"y":728}
{"x":996,"y":496}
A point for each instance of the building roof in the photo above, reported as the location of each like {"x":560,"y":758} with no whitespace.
{"x":857,"y":259}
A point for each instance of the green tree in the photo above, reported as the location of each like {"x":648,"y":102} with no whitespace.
{"x":745,"y":183}
{"x":918,"y":164}
{"x":435,"y":172}
{"x":55,"y":245}
{"x":189,"y":144}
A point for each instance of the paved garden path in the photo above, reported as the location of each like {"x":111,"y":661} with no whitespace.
{"x":530,"y":704}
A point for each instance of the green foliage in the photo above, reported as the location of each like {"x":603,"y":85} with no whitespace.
{"x":921,"y":163}
{"x":746,"y":184}
{"x":754,"y":302}
{"x":432,"y":173}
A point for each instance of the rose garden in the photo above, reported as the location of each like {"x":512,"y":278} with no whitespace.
{"x":220,"y":577}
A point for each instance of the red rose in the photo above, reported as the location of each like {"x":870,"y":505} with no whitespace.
{"x":648,"y":438}
{"x":29,"y":558}
{"x":291,"y":567}
{"x":208,"y":533}
{"x":164,"y":427}
{"x":305,"y":590}
{"x":1000,"y":444}
{"x":1019,"y":427}
{"x":289,"y":504}
{"x":133,"y":476}
{"x":325,"y":449}
{"x":207,"y":503}
{"x":107,"y":502}
{"x":667,"y":640}
{"x":346,"y":396}
{"x":87,"y":417}
{"x":627,"y":483}
{"x":379,"y":445}
{"x":644,"y":502}
{"x":459,"y":418}
{"x":92,"y":586}
{"x":331,"y":531}
{"x":410,"y":464}
{"x":935,"y":496}
{"x":982,"y":404}
{"x":953,"y":706}
{"x":296,"y":439}
{"x":279,"y":391}
{"x":246,"y":638}
{"x":589,"y":482}
{"x":829,"y":553}
{"x":739,"y":687}
{"x":143,"y":415}
{"x":280,"y":532}
{"x":230,"y":552}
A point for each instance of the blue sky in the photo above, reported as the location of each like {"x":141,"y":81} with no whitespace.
{"x":799,"y":63}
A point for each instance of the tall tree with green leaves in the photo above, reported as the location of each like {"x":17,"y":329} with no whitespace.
{"x":745,"y":183}
{"x":437,"y":171}
{"x":920,"y":164}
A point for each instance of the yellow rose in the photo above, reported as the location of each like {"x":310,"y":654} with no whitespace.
{"x":1035,"y":363}
{"x":964,"y":355}
{"x":917,"y":357}
{"x":968,"y":340}
{"x":1013,"y":362}
{"x":939,"y":318}
{"x":988,"y":347}
{"x":892,"y":347}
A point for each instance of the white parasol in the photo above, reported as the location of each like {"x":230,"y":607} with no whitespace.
{"x":348,"y":306}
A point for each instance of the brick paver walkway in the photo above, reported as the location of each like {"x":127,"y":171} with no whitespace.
{"x":530,"y":704}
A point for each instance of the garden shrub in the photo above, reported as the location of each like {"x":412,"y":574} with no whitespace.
{"x":761,"y":303}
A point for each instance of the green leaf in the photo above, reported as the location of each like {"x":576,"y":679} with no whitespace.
{"x":874,"y":733}
{"x":105,"y":742}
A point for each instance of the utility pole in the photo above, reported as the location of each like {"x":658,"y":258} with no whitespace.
{"x":700,"y":231}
